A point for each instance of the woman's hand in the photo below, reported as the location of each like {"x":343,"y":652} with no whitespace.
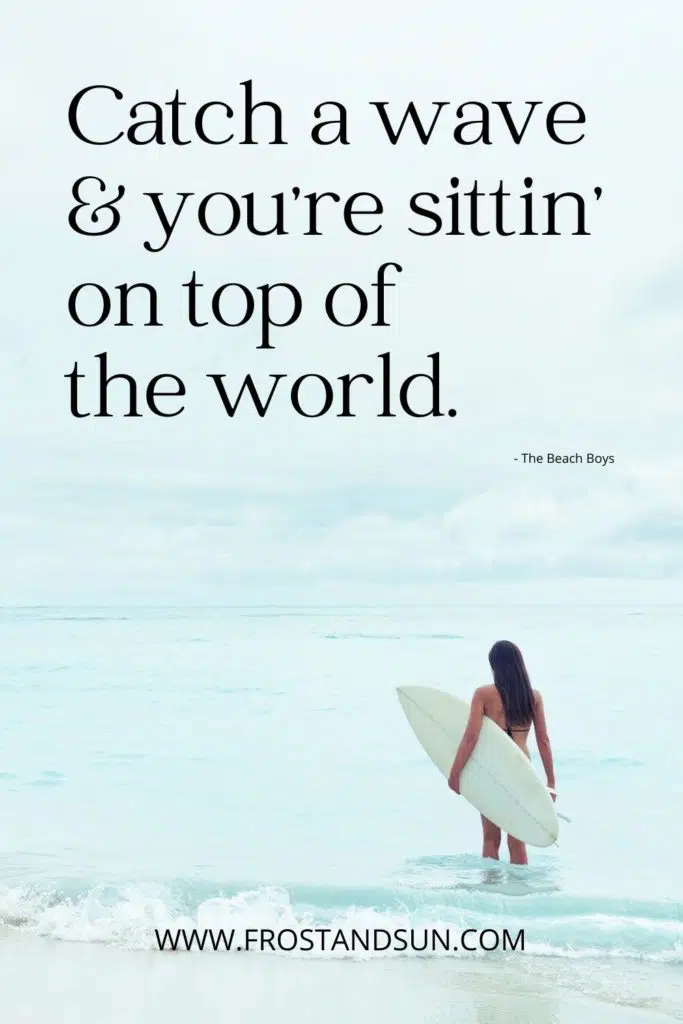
{"x":454,"y":777}
{"x":553,"y":794}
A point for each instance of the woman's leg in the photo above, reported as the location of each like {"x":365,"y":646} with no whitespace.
{"x":492,"y":837}
{"x":517,"y":851}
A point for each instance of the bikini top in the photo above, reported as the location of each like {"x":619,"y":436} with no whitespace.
{"x":510,"y":731}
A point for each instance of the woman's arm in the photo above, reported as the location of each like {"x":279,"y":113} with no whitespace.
{"x":543,"y":742}
{"x":469,"y":740}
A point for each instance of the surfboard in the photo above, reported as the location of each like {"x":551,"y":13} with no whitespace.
{"x":498,"y":779}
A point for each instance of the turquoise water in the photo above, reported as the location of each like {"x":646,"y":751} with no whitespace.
{"x":251,"y":766}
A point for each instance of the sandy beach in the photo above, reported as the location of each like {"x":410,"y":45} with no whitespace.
{"x":73,"y":983}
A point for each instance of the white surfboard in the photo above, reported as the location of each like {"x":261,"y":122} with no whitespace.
{"x":498,"y":779}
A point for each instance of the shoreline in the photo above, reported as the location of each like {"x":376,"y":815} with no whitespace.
{"x":91,"y":983}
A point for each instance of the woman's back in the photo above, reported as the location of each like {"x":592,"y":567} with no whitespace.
{"x":495,"y":710}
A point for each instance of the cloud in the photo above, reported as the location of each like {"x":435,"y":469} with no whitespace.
{"x":213,"y":541}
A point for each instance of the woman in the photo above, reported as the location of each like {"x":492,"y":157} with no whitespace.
{"x":514,"y":706}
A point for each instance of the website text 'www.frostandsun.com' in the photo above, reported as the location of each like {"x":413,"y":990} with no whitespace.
{"x":340,"y":940}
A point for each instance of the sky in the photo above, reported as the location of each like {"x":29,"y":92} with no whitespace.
{"x":562,"y":345}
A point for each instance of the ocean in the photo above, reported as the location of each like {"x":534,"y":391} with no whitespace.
{"x":248,"y":767}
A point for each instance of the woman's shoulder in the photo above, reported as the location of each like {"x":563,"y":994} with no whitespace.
{"x":538,"y":699}
{"x":486,"y":692}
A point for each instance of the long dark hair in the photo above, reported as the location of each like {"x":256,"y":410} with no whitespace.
{"x":512,"y":682}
